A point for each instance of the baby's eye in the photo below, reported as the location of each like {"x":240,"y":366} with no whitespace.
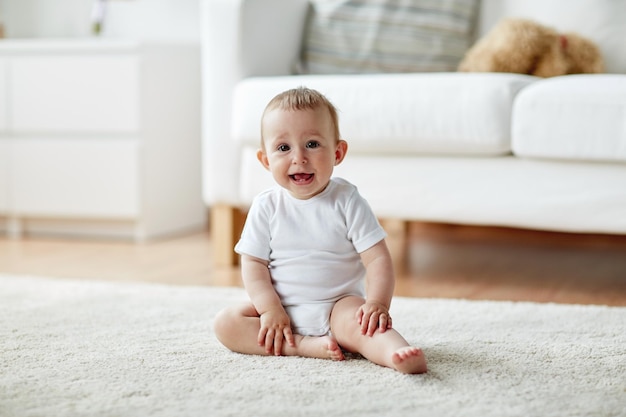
{"x":312,"y":144}
{"x":283,"y":148}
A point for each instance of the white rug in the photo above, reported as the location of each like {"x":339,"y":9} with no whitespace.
{"x":81,"y":348}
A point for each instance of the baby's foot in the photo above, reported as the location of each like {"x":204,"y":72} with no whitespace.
{"x":324,"y":347}
{"x":409,"y":360}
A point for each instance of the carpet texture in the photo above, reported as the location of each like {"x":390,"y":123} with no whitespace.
{"x":84,"y":348}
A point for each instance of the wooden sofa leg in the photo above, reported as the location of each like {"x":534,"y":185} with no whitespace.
{"x":226,"y":226}
{"x":396,"y":241}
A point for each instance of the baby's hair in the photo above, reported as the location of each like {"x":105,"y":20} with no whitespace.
{"x":303,"y":98}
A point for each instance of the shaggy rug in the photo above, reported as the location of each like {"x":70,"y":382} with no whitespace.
{"x":84,"y":348}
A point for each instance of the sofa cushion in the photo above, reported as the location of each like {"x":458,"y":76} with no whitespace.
{"x":578,"y":117}
{"x":442,"y":113}
{"x":370,"y":36}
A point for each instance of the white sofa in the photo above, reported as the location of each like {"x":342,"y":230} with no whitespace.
{"x":476,"y":149}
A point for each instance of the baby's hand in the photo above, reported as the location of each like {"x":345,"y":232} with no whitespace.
{"x":372,"y":316}
{"x":275,"y":328}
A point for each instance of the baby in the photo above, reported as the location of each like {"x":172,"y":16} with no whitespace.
{"x":308,"y":248}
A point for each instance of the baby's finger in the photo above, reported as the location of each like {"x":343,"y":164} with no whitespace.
{"x":261,"y":336}
{"x":359,"y":315}
{"x":289,"y":336}
{"x":365,"y":323}
{"x":269,"y":340}
{"x":278,"y":344}
{"x":373,"y":324}
{"x":384,"y":322}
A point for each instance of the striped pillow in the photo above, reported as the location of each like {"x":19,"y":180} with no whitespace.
{"x":370,"y":36}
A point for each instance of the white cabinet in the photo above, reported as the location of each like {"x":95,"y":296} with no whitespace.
{"x":4,"y":143}
{"x":100,"y":138}
{"x":75,"y":93}
{"x":4,"y":176}
{"x":3,"y":95}
{"x":76,"y":178}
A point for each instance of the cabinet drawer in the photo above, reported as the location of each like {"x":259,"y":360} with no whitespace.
{"x":78,"y":178}
{"x":87,"y":93}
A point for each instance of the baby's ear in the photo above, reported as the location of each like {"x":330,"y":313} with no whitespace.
{"x":340,"y":151}
{"x":262,"y":157}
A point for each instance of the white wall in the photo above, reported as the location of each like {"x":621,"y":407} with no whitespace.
{"x":131,"y":19}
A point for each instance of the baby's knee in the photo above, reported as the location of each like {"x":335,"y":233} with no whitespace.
{"x":230,"y":322}
{"x":223,"y":323}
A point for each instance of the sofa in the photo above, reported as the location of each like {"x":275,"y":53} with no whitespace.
{"x":431,"y":144}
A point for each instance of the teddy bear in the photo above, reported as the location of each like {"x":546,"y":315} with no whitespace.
{"x":527,"y":47}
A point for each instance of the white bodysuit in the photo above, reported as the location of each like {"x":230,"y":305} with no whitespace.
{"x":313,"y":248}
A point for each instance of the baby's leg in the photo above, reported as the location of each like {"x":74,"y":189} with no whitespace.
{"x":388,"y":349}
{"x":238,"y":329}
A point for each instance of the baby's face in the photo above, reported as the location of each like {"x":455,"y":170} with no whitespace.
{"x":300,"y":150}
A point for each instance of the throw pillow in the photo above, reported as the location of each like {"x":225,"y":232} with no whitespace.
{"x":369,"y":36}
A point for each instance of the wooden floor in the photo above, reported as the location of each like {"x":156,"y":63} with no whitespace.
{"x":431,"y":261}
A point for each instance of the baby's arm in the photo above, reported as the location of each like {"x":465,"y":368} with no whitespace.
{"x":374,"y":314}
{"x":275,"y":323}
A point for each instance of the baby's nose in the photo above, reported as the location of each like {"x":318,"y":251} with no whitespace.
{"x":299,"y":157}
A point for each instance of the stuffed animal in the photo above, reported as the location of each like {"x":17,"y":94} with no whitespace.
{"x":526,"y":47}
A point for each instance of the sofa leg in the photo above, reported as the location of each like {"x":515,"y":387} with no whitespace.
{"x":397,"y":231}
{"x":226,"y":226}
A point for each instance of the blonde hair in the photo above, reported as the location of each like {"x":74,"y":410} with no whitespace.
{"x":302,"y":98}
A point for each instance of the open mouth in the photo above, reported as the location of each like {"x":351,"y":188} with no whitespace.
{"x":301,"y":178}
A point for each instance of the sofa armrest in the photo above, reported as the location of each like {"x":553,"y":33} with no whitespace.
{"x":240,"y":38}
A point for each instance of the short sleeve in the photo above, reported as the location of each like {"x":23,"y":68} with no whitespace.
{"x":364,"y":230}
{"x":255,"y":238}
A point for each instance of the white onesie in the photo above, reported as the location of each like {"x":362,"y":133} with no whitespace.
{"x":313,"y":249}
